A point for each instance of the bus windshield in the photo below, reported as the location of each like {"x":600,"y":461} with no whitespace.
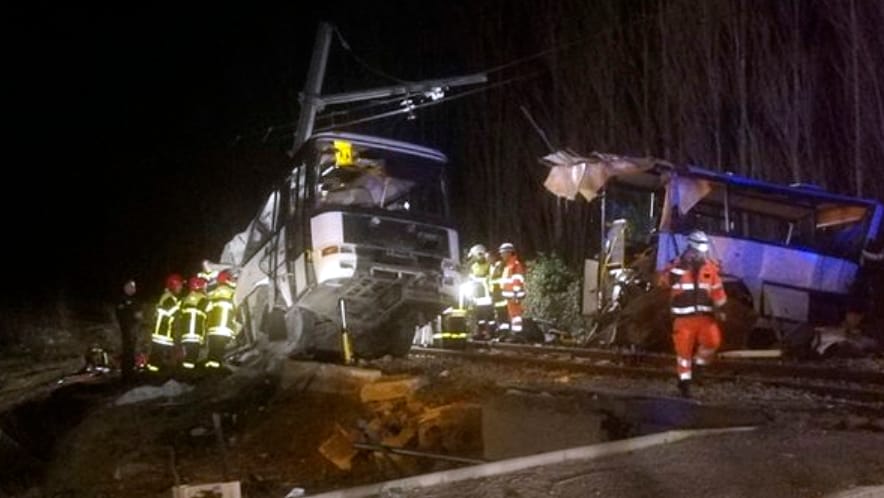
{"x":373,"y":178}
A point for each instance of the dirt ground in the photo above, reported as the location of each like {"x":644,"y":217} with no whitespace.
{"x":272,"y":432}
{"x":777,"y":461}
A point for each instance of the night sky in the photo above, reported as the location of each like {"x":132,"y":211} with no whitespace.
{"x":141,"y":131}
{"x":139,"y":134}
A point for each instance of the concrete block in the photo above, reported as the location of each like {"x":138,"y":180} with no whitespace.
{"x":386,"y":390}
{"x":217,"y":489}
{"x":326,"y":378}
{"x":338,"y":449}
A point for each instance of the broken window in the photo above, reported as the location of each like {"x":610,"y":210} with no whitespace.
{"x":384,"y":180}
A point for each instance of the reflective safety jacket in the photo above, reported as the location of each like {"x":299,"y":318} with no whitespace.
{"x":167,"y":311}
{"x":220,"y":311}
{"x":495,"y":278}
{"x":513,"y":280}
{"x":479,"y":277}
{"x":694,"y":289}
{"x":191,"y":322}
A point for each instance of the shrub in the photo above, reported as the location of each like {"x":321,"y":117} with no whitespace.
{"x":554,"y":293}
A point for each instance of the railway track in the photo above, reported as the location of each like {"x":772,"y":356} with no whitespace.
{"x":855,"y":385}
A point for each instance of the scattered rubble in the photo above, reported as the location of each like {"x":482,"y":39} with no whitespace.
{"x":171,"y":389}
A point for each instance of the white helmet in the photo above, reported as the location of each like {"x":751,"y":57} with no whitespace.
{"x":698,"y":241}
{"x":507,"y":247}
{"x":476,"y":251}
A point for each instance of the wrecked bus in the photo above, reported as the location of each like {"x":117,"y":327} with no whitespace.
{"x":360,"y":219}
{"x":795,"y":250}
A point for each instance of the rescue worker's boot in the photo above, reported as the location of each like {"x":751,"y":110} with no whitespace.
{"x":698,"y":373}
{"x":215,"y":355}
{"x":684,"y":388}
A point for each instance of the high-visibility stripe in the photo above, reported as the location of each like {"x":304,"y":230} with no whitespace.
{"x":162,"y":339}
{"x":194,"y":311}
{"x":720,"y":302}
{"x":191,"y":338}
{"x":692,"y":286}
{"x":684,"y":376}
{"x":221,"y":331}
{"x":677,"y":271}
{"x":687,"y":310}
{"x":684,"y":362}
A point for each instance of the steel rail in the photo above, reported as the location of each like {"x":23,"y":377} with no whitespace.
{"x":833,"y":389}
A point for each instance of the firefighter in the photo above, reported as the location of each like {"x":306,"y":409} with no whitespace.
{"x":512,"y":286}
{"x":191,"y":323}
{"x":696,"y":300}
{"x":220,"y":318}
{"x":479,"y":291}
{"x":163,"y":339}
{"x":500,"y":322}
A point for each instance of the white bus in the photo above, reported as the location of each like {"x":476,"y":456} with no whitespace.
{"x":361,"y":219}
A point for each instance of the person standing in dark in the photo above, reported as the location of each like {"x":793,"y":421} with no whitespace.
{"x":128,"y":317}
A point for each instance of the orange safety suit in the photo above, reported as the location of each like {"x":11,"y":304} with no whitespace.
{"x":697,"y":294}
{"x":513,"y":290}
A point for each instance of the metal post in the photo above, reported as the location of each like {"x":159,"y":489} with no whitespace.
{"x":651,"y":210}
{"x":310,"y":97}
{"x":603,"y":258}
{"x":727,"y":210}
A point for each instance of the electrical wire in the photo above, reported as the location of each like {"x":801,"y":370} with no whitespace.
{"x":431,"y":103}
{"x":362,"y":62}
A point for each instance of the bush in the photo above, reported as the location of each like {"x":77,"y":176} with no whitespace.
{"x":553,"y":293}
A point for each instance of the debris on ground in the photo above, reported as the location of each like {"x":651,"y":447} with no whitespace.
{"x":171,"y":389}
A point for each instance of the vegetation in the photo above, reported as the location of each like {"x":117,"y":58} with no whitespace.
{"x":553,"y":293}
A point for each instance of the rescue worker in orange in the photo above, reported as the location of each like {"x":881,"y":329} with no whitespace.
{"x":696,"y":300}
{"x":512,"y":286}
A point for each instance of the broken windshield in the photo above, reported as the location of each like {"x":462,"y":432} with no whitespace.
{"x":380,"y":179}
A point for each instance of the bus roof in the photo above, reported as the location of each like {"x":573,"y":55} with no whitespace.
{"x":382,"y":143}
{"x":651,"y":180}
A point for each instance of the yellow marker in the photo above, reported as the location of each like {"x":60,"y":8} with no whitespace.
{"x":343,"y":153}
{"x":346,"y":345}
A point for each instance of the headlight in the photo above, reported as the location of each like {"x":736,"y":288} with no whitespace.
{"x":466,"y":289}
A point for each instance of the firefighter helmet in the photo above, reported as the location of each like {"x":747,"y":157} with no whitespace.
{"x":476,"y":251}
{"x":174,"y":282}
{"x":225,"y":278}
{"x":507,"y":247}
{"x":698,"y":241}
{"x":196,"y":283}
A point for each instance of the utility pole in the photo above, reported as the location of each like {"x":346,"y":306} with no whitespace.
{"x":313,"y":102}
{"x":310,"y":100}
